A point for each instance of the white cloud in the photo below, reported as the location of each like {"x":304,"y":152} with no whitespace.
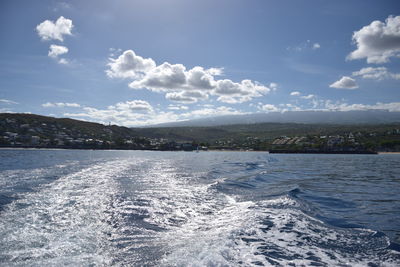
{"x":114,"y":51}
{"x":345,"y":83}
{"x":216,"y":71}
{"x":378,"y":41}
{"x":134,"y":106}
{"x":304,"y":46}
{"x":139,"y":112}
{"x":181,"y":84}
{"x":177,"y":107}
{"x":268,"y":108}
{"x":129,"y":65}
{"x":123,"y":114}
{"x":9,"y":102}
{"x":48,"y":30}
{"x":56,"y":50}
{"x":119,"y":117}
{"x":233,"y":99}
{"x":316,"y":46}
{"x":209,"y":112}
{"x":60,"y":105}
{"x":291,"y":107}
{"x":378,"y":73}
{"x":393,"y":106}
{"x":186,"y":96}
{"x":60,"y":6}
{"x":308,"y":96}
{"x":273,"y":86}
{"x":206,"y":105}
{"x":295,"y":93}
{"x":63,"y":61}
{"x":173,"y":77}
{"x":232,"y":92}
{"x":5,"y":110}
{"x":129,"y":113}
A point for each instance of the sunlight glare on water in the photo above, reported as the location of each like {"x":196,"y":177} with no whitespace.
{"x":198,"y":209}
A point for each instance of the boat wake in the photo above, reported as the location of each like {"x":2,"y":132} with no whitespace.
{"x":138,"y":211}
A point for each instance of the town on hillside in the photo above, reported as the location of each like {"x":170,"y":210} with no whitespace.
{"x":33,"y":131}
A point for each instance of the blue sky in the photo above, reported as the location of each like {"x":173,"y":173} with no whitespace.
{"x":144,"y":62}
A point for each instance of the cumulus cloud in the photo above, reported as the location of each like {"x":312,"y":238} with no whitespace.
{"x":49,"y":30}
{"x":167,"y":77}
{"x":129,"y":113}
{"x":232,"y":92}
{"x":134,"y":106}
{"x":60,"y":105}
{"x":129,"y":65}
{"x":181,"y":84}
{"x":378,"y":73}
{"x":211,"y":111}
{"x":216,"y":71}
{"x":139,"y":112}
{"x":56,"y":50}
{"x":119,"y":117}
{"x":186,"y":96}
{"x":163,"y":78}
{"x":123,"y":114}
{"x":345,"y":83}
{"x":114,"y":51}
{"x":268,"y":108}
{"x":295,"y":93}
{"x":227,"y":87}
{"x":378,"y":41}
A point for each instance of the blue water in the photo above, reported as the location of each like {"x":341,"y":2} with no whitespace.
{"x":136,"y":208}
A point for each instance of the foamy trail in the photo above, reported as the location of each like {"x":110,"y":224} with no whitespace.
{"x":64,"y":222}
{"x":155,"y":210}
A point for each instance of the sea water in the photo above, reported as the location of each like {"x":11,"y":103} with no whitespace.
{"x":138,"y":208}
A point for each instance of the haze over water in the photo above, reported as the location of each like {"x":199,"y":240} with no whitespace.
{"x":65,"y":207}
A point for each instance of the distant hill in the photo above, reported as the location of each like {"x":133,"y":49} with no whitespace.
{"x":51,"y":125}
{"x":306,"y":117}
{"x":265,"y":131}
{"x":29,"y":130}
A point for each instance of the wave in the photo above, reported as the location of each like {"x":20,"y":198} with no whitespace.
{"x":62,"y":222}
{"x":146,"y":211}
{"x":273,"y":232}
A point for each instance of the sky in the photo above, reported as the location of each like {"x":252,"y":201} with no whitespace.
{"x":135,"y":63}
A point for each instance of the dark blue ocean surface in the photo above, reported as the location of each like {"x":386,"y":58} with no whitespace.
{"x":136,"y":208}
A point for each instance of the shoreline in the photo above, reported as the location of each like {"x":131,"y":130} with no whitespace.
{"x":209,"y":150}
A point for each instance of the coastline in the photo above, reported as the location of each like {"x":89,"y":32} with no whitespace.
{"x":209,"y":150}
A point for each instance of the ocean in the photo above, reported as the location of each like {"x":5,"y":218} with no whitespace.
{"x":145,"y":208}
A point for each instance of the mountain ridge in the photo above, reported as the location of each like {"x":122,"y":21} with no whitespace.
{"x":30,"y":130}
{"x":302,"y":117}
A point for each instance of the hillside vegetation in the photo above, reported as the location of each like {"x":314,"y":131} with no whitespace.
{"x":41,"y":131}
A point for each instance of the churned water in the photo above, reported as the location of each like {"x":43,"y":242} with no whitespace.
{"x":135,"y":208}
